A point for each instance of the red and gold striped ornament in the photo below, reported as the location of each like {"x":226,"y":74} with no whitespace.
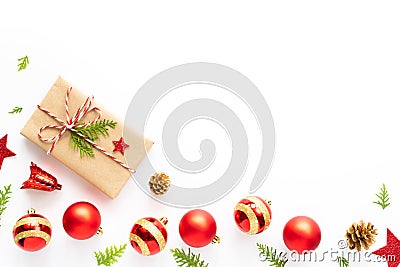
{"x":252,"y":215}
{"x":149,"y":235}
{"x":32,"y":232}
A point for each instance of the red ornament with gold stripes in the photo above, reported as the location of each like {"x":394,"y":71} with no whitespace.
{"x":252,"y":215}
{"x":149,"y":235}
{"x":32,"y":232}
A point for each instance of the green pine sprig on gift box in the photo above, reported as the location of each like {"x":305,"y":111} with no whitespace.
{"x":383,"y":197}
{"x":110,"y":255}
{"x":343,"y":262}
{"x":188,"y":259}
{"x":23,"y":63}
{"x":95,"y":130}
{"x":272,"y":256}
{"x":5,"y":196}
{"x":15,"y":110}
{"x":91,"y":132}
{"x":79,"y":144}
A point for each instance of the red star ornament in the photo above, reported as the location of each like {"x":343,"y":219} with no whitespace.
{"x":390,"y":252}
{"x":120,"y":145}
{"x":4,"y":151}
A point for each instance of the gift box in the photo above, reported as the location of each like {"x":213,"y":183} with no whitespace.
{"x":61,"y":113}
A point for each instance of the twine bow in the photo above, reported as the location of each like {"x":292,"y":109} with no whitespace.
{"x":72,"y":122}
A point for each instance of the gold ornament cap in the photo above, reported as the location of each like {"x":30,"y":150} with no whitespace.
{"x":31,"y":211}
{"x":216,"y":240}
{"x":100,"y":231}
{"x":164,"y":220}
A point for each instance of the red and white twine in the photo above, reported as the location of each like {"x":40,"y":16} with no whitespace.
{"x":71,"y":123}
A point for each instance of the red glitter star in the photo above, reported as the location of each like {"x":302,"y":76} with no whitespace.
{"x":4,"y":151}
{"x":391,"y":252}
{"x":120,"y":145}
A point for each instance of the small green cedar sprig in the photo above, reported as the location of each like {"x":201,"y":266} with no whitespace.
{"x":188,"y":259}
{"x":15,"y":110}
{"x":343,"y":262}
{"x":23,"y":63}
{"x":91,"y":132}
{"x":5,"y":196}
{"x":383,"y":197}
{"x":270,"y":254}
{"x":110,"y":255}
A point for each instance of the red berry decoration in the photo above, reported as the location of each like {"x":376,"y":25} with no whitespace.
{"x":252,"y":215}
{"x":198,"y":228}
{"x":82,"y":220}
{"x":32,"y":232}
{"x":149,"y":235}
{"x":301,"y":234}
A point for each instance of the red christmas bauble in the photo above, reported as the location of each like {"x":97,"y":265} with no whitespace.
{"x":149,"y":235}
{"x":81,"y":220}
{"x":252,"y":215}
{"x":301,"y":234}
{"x":32,"y":232}
{"x":197,"y":228}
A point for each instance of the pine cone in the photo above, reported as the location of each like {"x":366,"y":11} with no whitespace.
{"x":159,"y":183}
{"x":361,"y":235}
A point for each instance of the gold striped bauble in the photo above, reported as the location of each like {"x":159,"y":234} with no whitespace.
{"x":252,"y":215}
{"x":32,"y":231}
{"x":149,"y":235}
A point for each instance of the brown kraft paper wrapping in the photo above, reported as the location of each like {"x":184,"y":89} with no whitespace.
{"x":100,"y":170}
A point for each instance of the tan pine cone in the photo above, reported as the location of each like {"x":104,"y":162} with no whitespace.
{"x":361,"y":235}
{"x":159,"y":183}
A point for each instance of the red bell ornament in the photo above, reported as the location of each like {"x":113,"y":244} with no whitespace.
{"x":82,"y":220}
{"x":252,"y":215}
{"x":301,"y":234}
{"x":41,"y":180}
{"x":149,"y":235}
{"x":198,"y":228}
{"x":32,"y":232}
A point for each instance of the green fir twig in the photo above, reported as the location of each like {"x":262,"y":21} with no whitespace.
{"x":383,"y":197}
{"x":343,"y":262}
{"x":15,"y":110}
{"x":110,"y":255}
{"x":91,"y":132}
{"x":23,"y":63}
{"x":5,"y":196}
{"x":188,"y":259}
{"x":270,"y":254}
{"x":79,"y":144}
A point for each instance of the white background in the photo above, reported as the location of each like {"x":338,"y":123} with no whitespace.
{"x":329,"y":71}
